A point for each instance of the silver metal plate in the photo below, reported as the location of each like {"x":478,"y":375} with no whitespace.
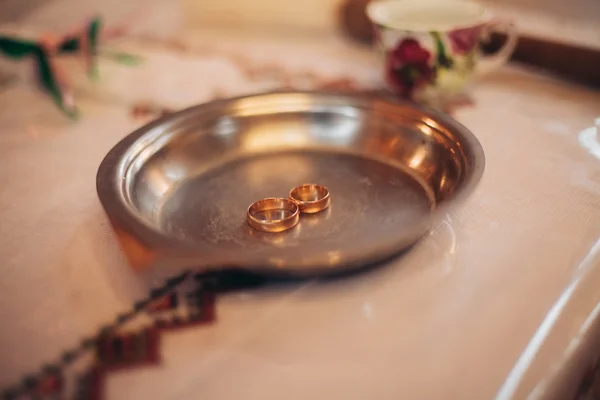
{"x":180,"y":187}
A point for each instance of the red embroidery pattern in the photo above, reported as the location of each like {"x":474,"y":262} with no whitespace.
{"x":173,"y":306}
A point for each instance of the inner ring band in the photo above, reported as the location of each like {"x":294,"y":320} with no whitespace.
{"x":273,"y":214}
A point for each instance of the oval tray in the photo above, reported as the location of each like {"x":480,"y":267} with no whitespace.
{"x":177,"y":190}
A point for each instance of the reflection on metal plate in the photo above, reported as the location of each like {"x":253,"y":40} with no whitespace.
{"x":181,"y":185}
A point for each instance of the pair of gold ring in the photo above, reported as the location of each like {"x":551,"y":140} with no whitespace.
{"x":277,"y":214}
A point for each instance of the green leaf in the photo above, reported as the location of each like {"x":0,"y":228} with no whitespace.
{"x":93,"y":33}
{"x":123,"y":58}
{"x":70,"y":45}
{"x":409,"y":75}
{"x":16,"y":48}
{"x":442,"y":58}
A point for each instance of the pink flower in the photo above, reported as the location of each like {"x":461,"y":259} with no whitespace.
{"x":464,"y":40}
{"x":408,"y":67}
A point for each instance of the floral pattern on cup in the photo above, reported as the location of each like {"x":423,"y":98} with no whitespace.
{"x":464,"y":40}
{"x":409,"y":67}
{"x":444,"y":61}
{"x":431,"y":47}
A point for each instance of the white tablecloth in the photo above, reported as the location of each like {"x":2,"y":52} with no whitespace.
{"x":501,"y":299}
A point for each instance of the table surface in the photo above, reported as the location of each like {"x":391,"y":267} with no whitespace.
{"x":499,"y":300}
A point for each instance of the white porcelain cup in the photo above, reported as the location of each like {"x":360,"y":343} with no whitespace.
{"x":431,"y":48}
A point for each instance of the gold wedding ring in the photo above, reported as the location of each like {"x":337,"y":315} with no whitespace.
{"x":273,"y":214}
{"x":310,"y":198}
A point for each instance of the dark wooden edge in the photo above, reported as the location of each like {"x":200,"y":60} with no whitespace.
{"x":576,"y":63}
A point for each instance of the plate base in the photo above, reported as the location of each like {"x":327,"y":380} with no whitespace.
{"x":365,"y":195}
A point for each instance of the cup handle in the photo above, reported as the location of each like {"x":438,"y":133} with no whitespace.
{"x":489,"y":63}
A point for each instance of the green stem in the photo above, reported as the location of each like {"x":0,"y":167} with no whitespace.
{"x":50,"y":82}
